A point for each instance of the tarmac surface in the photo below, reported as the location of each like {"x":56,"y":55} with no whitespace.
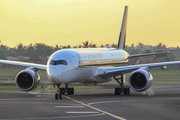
{"x":161,"y":102}
{"x":44,"y":76}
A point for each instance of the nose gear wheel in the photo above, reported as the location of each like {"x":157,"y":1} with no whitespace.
{"x":61,"y":91}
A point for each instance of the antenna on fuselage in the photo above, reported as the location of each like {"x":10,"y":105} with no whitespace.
{"x":122,"y":35}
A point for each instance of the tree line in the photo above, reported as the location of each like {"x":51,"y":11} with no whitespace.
{"x":34,"y":51}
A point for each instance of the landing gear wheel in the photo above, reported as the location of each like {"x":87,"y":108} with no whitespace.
{"x":60,"y":95}
{"x":56,"y":96}
{"x":123,"y":87}
{"x":70,"y":91}
{"x":59,"y":92}
{"x":126,"y":91}
{"x":63,"y":90}
{"x":117,"y":91}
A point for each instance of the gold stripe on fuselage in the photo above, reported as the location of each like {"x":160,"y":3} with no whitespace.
{"x":102,"y":62}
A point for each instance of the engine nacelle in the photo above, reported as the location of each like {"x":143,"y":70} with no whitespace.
{"x":27,"y":80}
{"x":140,"y":80}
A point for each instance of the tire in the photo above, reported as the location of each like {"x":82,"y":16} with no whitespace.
{"x":125,"y":91}
{"x":72,"y":91}
{"x":128,"y":91}
{"x":63,"y":90}
{"x":56,"y":96}
{"x":117,"y":91}
{"x":69,"y":91}
{"x":60,"y":95}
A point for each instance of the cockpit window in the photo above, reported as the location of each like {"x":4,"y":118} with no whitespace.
{"x":58,"y":62}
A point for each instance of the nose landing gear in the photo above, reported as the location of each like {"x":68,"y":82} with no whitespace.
{"x":58,"y":95}
{"x":61,"y":91}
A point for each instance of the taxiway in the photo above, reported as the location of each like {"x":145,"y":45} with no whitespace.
{"x":162,"y":102}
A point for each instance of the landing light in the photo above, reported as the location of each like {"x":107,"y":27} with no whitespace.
{"x":163,"y":67}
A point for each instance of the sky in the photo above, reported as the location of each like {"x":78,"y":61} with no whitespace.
{"x":71,"y":22}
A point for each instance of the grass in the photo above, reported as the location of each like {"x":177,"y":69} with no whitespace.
{"x":49,"y":87}
{"x":7,"y":80}
{"x":9,"y":71}
{"x":166,"y":80}
{"x":8,"y":88}
{"x":160,"y":80}
{"x":16,"y":71}
{"x":165,"y":72}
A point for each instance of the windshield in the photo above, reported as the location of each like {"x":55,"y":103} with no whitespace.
{"x":58,"y":62}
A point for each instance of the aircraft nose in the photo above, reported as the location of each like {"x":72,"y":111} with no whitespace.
{"x":55,"y":74}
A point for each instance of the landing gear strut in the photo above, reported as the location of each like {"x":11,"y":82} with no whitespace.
{"x":123,"y":88}
{"x":61,"y":91}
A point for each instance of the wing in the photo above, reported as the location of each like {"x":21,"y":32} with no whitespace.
{"x":111,"y":72}
{"x":37,"y":66}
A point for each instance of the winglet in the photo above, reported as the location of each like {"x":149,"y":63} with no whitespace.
{"x":122,"y":36}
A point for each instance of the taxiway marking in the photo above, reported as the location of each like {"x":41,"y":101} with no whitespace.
{"x":69,"y":106}
{"x":120,"y":118}
{"x":158,"y":99}
{"x":82,"y":112}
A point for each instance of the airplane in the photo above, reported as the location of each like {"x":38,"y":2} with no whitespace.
{"x":84,"y":65}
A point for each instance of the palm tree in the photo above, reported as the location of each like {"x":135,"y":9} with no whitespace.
{"x":86,"y":44}
{"x":20,"y":49}
{"x":93,"y":46}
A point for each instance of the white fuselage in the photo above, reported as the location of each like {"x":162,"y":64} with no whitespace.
{"x":67,"y":66}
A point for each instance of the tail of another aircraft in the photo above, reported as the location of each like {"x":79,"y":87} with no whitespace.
{"x":122,"y":36}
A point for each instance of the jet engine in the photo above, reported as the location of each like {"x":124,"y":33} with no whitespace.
{"x":140,"y":80}
{"x":27,"y":80}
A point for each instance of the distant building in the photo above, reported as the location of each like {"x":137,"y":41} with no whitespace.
{"x":177,"y":59}
{"x":11,"y":58}
{"x":144,"y":60}
{"x":131,"y":62}
{"x":19,"y":58}
{"x":43,"y":60}
{"x":161,"y":59}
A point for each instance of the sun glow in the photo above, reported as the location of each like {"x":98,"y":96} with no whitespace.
{"x":71,"y":22}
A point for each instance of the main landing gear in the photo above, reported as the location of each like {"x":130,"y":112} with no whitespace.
{"x":61,"y":91}
{"x":123,"y":88}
